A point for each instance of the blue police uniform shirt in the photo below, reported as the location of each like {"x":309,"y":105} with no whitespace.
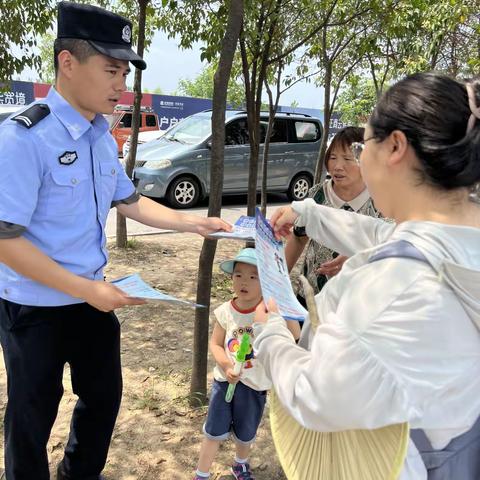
{"x":58,"y":179}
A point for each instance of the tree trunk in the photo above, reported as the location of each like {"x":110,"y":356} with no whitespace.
{"x":253,"y":94}
{"x":272,"y":108}
{"x":121,"y":240}
{"x":253,"y":163}
{"x":266,"y":151}
{"x":252,"y":130}
{"x":198,"y":381}
{"x":326,"y":124}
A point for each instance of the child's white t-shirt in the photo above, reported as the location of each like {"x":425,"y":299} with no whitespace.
{"x":236,"y":322}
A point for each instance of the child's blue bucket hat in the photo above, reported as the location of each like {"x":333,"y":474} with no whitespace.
{"x":247,"y":255}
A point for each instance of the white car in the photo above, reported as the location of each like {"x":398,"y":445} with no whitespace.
{"x":143,"y":137}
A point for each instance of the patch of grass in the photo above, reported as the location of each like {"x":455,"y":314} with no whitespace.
{"x":133,"y":243}
{"x":183,"y":376}
{"x":149,"y":400}
{"x":196,"y":400}
{"x":178,"y":378}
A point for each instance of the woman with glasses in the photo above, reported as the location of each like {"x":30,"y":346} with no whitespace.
{"x":399,"y":334}
{"x":343,"y":189}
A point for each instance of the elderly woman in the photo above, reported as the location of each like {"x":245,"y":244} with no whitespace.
{"x":399,"y":338}
{"x":344,"y":189}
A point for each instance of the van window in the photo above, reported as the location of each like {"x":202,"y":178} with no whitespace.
{"x":112,"y":119}
{"x":263,"y":129}
{"x":151,"y":121}
{"x":127,"y":120}
{"x":236,"y":132}
{"x":279,"y":134}
{"x":190,"y":130}
{"x":307,"y":131}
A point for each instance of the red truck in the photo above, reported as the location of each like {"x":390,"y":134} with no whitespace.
{"x":120,"y":122}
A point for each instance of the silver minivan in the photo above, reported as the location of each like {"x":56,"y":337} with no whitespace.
{"x":177,"y":165}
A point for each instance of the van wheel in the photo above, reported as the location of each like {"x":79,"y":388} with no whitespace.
{"x":299,"y":187}
{"x":184,"y":192}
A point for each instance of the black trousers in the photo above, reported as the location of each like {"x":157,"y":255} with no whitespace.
{"x":37,"y":342}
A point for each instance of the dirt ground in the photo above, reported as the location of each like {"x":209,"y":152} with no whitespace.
{"x":158,"y":435}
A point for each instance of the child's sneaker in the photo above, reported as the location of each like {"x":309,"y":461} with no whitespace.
{"x":241,"y":471}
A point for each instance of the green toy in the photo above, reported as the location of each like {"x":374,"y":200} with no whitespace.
{"x":239,"y":361}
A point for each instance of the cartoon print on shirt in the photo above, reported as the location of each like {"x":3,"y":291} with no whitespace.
{"x":233,"y":344}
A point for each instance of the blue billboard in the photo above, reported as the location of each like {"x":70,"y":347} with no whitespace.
{"x":171,"y":110}
{"x":17,"y":93}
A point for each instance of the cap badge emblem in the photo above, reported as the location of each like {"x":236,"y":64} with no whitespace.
{"x":127,"y":34}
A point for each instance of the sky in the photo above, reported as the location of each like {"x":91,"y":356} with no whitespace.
{"x":167,"y":64}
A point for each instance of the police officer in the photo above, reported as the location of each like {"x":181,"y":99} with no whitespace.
{"x":60,"y":175}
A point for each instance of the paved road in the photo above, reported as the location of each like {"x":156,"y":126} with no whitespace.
{"x":233,"y":207}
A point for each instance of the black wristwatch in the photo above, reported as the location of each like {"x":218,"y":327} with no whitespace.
{"x":299,"y":231}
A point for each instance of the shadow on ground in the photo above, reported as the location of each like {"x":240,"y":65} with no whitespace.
{"x":158,"y":435}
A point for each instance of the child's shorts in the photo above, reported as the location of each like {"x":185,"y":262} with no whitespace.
{"x":241,"y":416}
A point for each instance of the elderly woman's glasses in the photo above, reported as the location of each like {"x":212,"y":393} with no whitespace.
{"x":357,"y":148}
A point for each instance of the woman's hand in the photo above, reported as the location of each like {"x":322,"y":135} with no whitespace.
{"x":262,"y":311}
{"x":282,"y":221}
{"x":332,"y":267}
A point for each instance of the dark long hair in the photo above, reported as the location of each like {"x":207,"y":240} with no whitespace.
{"x":432,"y":111}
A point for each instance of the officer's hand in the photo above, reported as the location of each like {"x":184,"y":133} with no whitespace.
{"x":107,"y":297}
{"x":212,"y":225}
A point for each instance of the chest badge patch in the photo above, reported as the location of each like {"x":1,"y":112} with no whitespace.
{"x":67,"y":158}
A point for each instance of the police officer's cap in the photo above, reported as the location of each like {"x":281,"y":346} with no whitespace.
{"x":109,"y":33}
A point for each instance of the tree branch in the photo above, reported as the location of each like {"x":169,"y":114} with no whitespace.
{"x":305,"y":39}
{"x":299,"y":80}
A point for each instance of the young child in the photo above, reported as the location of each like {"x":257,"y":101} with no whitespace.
{"x":243,"y":414}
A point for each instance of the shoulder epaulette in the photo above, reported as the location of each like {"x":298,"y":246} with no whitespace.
{"x":31,"y":116}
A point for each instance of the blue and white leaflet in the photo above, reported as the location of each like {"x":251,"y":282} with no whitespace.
{"x":135,"y":286}
{"x":242,"y":229}
{"x":273,"y":271}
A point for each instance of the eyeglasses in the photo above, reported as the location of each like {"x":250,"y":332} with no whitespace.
{"x":357,"y":148}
